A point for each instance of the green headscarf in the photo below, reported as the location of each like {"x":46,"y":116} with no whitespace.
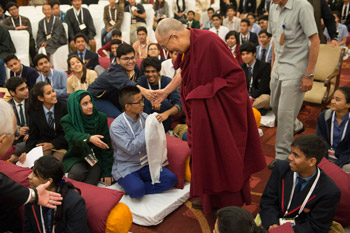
{"x":81,"y":122}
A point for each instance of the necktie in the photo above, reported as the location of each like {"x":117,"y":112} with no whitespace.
{"x":50,"y":120}
{"x":250,"y":78}
{"x":217,"y":32}
{"x":297,"y":189}
{"x":47,"y":79}
{"x":263,"y":56}
{"x":81,"y":56}
{"x":21,"y":115}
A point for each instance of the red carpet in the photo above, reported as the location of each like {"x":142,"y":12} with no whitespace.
{"x":188,"y":220}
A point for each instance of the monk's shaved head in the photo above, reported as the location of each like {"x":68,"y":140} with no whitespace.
{"x":169,"y":25}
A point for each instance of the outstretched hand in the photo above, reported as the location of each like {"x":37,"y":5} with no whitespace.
{"x":47,"y":198}
{"x":96,"y":140}
{"x":160,"y":95}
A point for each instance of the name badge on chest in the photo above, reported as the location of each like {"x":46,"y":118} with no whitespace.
{"x":112,"y":22}
{"x":285,"y":220}
{"x":133,"y":21}
{"x":48,"y":37}
{"x":143,"y":160}
{"x":82,"y":26}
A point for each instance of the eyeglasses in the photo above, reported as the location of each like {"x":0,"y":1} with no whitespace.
{"x":140,"y":102}
{"x":128,"y":58}
{"x":164,"y":47}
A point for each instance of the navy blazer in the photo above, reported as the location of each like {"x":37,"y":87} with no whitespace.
{"x":12,"y":102}
{"x":29,"y":74}
{"x":252,"y":38}
{"x":261,"y":78}
{"x":91,"y":59}
{"x":74,"y":217}
{"x":342,"y":152}
{"x":40,"y":130}
{"x":319,"y":211}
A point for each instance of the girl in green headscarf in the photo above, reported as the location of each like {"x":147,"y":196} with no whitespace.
{"x":89,"y":157}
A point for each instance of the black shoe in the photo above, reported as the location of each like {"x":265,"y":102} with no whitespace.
{"x":299,"y":131}
{"x":272,"y":164}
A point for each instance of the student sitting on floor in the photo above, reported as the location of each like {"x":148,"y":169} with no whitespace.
{"x":130,"y":168}
{"x":71,"y":216}
{"x":45,"y":122}
{"x":114,"y":46}
{"x":104,"y":50}
{"x":264,"y":49}
{"x":299,"y":192}
{"x":154,"y":81}
{"x":332,"y":126}
{"x":141,"y":45}
{"x":89,"y":157}
{"x":258,"y":77}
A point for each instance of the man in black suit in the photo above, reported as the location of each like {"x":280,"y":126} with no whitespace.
{"x":344,"y":10}
{"x":257,"y":74}
{"x":298,"y":191}
{"x":19,"y":70}
{"x":89,"y":57}
{"x":245,"y":35}
{"x":246,"y":6}
{"x":18,"y":89}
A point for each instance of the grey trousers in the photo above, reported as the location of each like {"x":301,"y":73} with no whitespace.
{"x":83,"y":172}
{"x":286,"y":100}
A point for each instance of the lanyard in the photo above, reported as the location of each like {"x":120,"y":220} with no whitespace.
{"x":43,"y":79}
{"x":110,"y":13}
{"x":82,"y":16}
{"x":20,"y":21}
{"x":78,"y":81}
{"x":43,"y":223}
{"x":267,"y":54}
{"x":307,"y":196}
{"x":345,"y":11}
{"x":344,"y":131}
{"x":165,"y":53}
{"x":149,"y":86}
{"x":146,"y":48}
{"x":53,"y":23}
{"x":127,"y":122}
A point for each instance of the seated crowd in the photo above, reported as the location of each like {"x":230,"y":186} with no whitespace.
{"x":66,"y":111}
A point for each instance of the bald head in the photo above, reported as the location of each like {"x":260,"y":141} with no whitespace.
{"x":169,"y":25}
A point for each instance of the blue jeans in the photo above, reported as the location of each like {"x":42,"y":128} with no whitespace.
{"x":2,"y":73}
{"x":107,"y":107}
{"x":106,"y":36}
{"x":139,"y":183}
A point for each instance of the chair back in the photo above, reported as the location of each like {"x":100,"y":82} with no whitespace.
{"x":20,"y":39}
{"x":125,"y":27}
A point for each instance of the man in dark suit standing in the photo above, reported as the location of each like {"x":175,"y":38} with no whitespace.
{"x":246,"y":6}
{"x":18,"y":89}
{"x":245,"y":35}
{"x":299,"y":192}
{"x":257,"y":74}
{"x":89,"y":57}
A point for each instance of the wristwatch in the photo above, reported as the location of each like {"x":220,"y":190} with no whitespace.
{"x":310,"y":76}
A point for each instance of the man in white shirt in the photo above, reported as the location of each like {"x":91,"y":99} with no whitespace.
{"x":168,"y":66}
{"x":141,"y":45}
{"x":221,"y":31}
{"x":231,"y":21}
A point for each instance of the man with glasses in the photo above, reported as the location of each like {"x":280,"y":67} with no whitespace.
{"x":127,"y":131}
{"x":222,"y":133}
{"x":124,"y":72}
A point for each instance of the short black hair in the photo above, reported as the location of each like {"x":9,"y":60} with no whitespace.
{"x":13,"y":82}
{"x":124,"y":49}
{"x":80,"y":35}
{"x":38,"y":57}
{"x":141,"y":29}
{"x":312,"y":146}
{"x":211,"y":9}
{"x":263,"y":17}
{"x":2,"y":7}
{"x":126,"y":95}
{"x":10,"y":57}
{"x":346,"y":91}
{"x":216,"y":15}
{"x":190,"y":11}
{"x":245,"y":21}
{"x":231,"y":7}
{"x":54,"y":2}
{"x":232,"y":33}
{"x":336,"y":13}
{"x":248,"y":47}
{"x":250,"y":14}
{"x":116,"y":41}
{"x":11,"y":4}
{"x":152,"y":61}
{"x":264,"y":31}
{"x":116,"y":32}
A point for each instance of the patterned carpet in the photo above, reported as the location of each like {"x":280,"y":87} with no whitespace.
{"x":188,"y":220}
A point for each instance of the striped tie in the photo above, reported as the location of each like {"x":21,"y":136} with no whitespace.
{"x":50,"y":120}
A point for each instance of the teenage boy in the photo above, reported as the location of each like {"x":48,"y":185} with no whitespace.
{"x":191,"y":22}
{"x":57,"y":78}
{"x":19,"y":70}
{"x":104,"y":50}
{"x":245,"y":35}
{"x":138,"y":17}
{"x":299,"y":192}
{"x":154,"y":81}
{"x":141,"y":45}
{"x":208,"y":24}
{"x":55,"y":8}
{"x":258,"y":77}
{"x":231,"y":21}
{"x":18,"y":89}
{"x":90,"y":58}
{"x":264,"y":49}
{"x":130,"y":168}
{"x":263,"y":22}
{"x":221,"y":31}
{"x":114,"y":46}
{"x":79,"y":20}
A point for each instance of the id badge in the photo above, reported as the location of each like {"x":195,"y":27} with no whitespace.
{"x":285,"y":220}
{"x":48,"y":37}
{"x":112,"y":22}
{"x":133,"y":21}
{"x":82,"y":26}
{"x":143,"y":160}
{"x":331,"y":153}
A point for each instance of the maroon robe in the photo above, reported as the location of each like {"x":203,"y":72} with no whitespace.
{"x":222,"y":133}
